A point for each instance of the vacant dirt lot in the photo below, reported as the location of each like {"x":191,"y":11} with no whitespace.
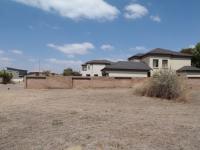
{"x":103,"y":119}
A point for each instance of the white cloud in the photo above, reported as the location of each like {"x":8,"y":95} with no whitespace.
{"x":15,"y":51}
{"x":139,"y":48}
{"x":155,"y":18}
{"x":73,"y":49}
{"x":32,"y":60}
{"x":64,"y":62}
{"x":192,"y":46}
{"x":115,"y":59}
{"x":57,"y":65}
{"x":107,"y":47}
{"x":135,"y":11}
{"x":1,"y":52}
{"x":76,"y":9}
{"x":5,"y":61}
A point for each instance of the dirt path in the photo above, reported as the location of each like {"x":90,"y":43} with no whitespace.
{"x":104,"y":119}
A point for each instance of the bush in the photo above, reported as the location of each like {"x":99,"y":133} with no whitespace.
{"x":6,"y":77}
{"x":70,"y":72}
{"x":164,"y":84}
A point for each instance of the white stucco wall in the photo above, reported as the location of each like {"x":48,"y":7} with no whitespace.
{"x":177,"y":63}
{"x":127,"y":74}
{"x":93,"y":69}
{"x":191,"y":74}
{"x":173,"y":63}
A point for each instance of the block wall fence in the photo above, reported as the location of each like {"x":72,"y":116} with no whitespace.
{"x":61,"y":82}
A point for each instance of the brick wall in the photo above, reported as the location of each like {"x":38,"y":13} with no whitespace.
{"x":60,"y":82}
{"x":105,"y":82}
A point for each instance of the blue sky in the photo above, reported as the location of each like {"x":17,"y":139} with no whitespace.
{"x":66,"y":33}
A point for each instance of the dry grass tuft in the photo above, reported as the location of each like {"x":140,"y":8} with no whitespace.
{"x":164,"y":84}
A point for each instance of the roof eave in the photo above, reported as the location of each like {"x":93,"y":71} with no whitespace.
{"x":173,"y":56}
{"x":120,"y":69}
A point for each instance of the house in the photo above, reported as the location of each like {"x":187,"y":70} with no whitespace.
{"x":40,"y":74}
{"x":127,"y":69}
{"x":189,"y":72}
{"x":18,"y":74}
{"x":94,"y":67}
{"x":165,"y":59}
{"x":143,"y":65}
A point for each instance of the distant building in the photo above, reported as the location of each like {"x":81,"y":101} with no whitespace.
{"x":17,"y":73}
{"x":38,"y":74}
{"x":93,"y":68}
{"x":159,"y":59}
{"x":143,"y":65}
{"x":127,"y":69}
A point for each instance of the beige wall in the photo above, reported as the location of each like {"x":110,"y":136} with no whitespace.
{"x":173,"y":63}
{"x":127,"y":74}
{"x":106,"y":82}
{"x":177,"y":63}
{"x":79,"y":82}
{"x":146,"y":60}
{"x":59,"y":82}
{"x":191,"y":74}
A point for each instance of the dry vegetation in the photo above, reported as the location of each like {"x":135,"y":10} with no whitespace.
{"x":103,"y":119}
{"x":164,"y":84}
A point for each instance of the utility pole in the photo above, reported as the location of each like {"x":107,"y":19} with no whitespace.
{"x":39,"y":65}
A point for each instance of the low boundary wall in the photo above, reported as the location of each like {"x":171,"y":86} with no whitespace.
{"x":60,"y":82}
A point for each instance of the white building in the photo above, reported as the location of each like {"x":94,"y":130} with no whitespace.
{"x":159,"y":59}
{"x":127,"y":69}
{"x":143,"y":65}
{"x":94,"y":67}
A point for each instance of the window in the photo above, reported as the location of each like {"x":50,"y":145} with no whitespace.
{"x":155,"y":63}
{"x":88,"y":67}
{"x":84,"y":68}
{"x":96,"y":75}
{"x":165,"y":63}
{"x":88,"y":75}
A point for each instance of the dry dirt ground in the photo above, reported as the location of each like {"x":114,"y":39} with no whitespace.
{"x":98,"y":119}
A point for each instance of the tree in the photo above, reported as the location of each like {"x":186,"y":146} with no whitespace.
{"x":47,"y":73}
{"x":75,"y":73}
{"x":196,"y":55}
{"x":6,"y":77}
{"x":68,"y":72}
{"x":195,"y":52}
{"x":187,"y":51}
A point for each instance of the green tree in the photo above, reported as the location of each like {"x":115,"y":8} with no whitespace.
{"x":195,"y":52}
{"x":6,"y":77}
{"x":68,"y":72}
{"x":75,"y":73}
{"x":196,"y":55}
{"x":187,"y":51}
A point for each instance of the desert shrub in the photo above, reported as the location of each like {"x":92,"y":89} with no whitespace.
{"x":70,"y":72}
{"x":6,"y":77}
{"x":163,"y":84}
{"x":46,"y":72}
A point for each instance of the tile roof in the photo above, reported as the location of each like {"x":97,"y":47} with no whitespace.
{"x":106,"y":62}
{"x":160,"y":51}
{"x":188,"y":69}
{"x":127,"y":65}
